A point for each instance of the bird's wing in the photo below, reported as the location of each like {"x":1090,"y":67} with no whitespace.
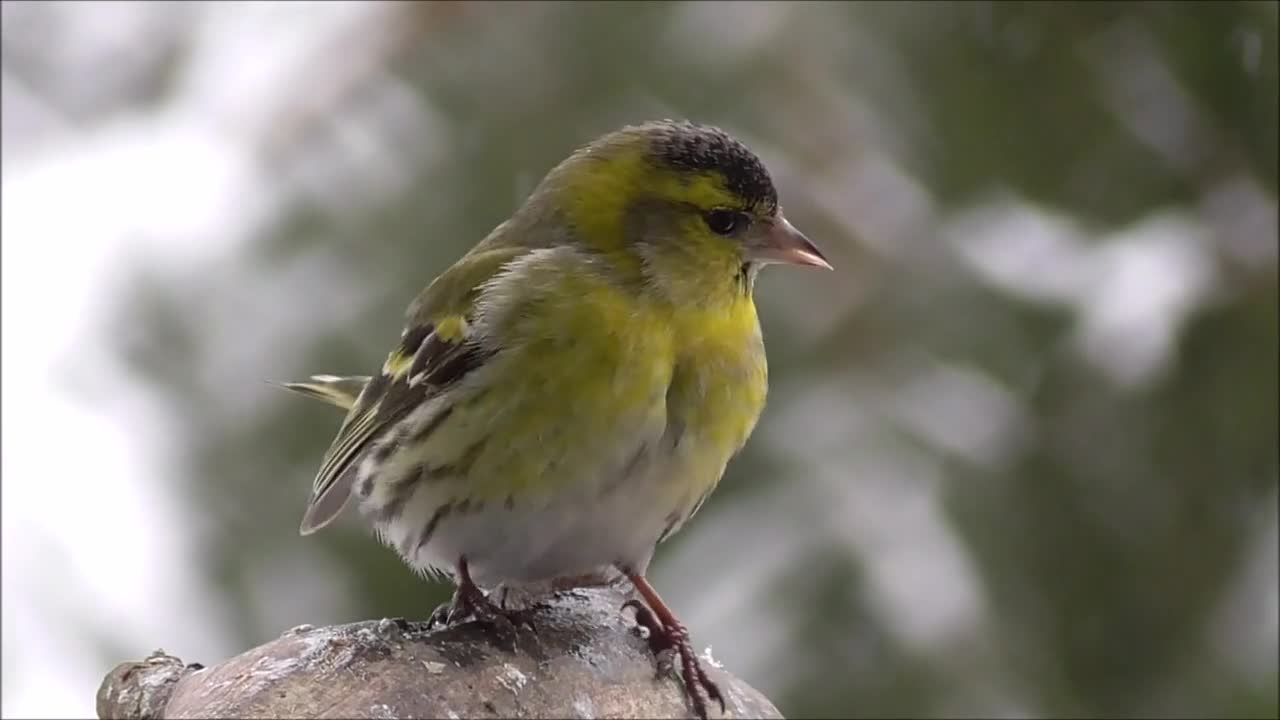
{"x":436,"y":349}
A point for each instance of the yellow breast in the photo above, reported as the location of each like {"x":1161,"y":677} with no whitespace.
{"x":716,"y":395}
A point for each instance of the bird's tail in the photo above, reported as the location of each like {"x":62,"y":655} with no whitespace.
{"x":333,"y":389}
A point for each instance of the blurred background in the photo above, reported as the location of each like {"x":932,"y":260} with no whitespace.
{"x":1020,"y":457}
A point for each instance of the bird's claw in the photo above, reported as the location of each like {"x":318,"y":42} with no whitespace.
{"x":439,"y":616}
{"x":470,"y":602}
{"x":654,"y":633}
{"x":667,"y":643}
{"x":665,"y":660}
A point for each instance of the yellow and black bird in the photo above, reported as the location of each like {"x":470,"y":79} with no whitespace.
{"x":567,"y":395}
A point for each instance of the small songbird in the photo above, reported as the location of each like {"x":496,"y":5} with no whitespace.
{"x":566,"y":396}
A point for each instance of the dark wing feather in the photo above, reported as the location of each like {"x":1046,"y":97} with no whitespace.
{"x":421,"y":367}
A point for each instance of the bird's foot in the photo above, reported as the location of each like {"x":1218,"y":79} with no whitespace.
{"x":671,"y":641}
{"x":470,"y":602}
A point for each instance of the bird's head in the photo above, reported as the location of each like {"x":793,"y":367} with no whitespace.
{"x":685,"y":207}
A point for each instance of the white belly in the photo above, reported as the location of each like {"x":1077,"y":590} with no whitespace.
{"x":586,"y":531}
{"x":613,"y":514}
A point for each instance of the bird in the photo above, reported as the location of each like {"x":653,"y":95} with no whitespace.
{"x":566,"y":396}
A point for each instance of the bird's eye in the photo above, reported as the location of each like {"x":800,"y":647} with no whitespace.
{"x":725,"y":222}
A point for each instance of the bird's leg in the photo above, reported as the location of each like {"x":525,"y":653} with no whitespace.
{"x":667,"y":632}
{"x":469,"y":601}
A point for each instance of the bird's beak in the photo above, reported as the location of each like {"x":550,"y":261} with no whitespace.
{"x":782,"y":243}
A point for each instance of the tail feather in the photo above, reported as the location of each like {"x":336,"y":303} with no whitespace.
{"x":340,"y":391}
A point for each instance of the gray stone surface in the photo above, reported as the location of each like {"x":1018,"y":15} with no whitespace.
{"x":583,"y":660}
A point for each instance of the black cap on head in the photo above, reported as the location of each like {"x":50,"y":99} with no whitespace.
{"x":691,"y":146}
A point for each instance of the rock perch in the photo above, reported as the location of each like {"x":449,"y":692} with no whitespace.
{"x":584,"y":660}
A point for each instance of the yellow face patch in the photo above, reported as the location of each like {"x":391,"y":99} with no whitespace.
{"x":604,"y":186}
